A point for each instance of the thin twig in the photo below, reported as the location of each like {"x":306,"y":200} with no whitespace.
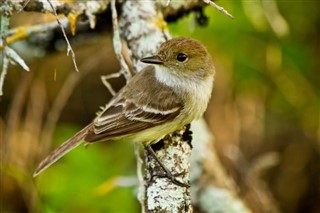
{"x":104,"y":79}
{"x":24,"y":5}
{"x":221,"y":9}
{"x":69,"y":48}
{"x":117,"y":42}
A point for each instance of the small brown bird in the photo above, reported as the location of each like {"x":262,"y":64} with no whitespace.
{"x":158,"y":100}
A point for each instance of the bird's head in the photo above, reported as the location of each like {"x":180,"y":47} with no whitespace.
{"x":182,"y":56}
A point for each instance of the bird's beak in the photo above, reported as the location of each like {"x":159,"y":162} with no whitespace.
{"x":152,"y":60}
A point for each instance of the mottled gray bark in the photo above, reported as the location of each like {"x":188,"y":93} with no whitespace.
{"x":143,"y":33}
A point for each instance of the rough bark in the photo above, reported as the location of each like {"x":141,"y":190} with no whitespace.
{"x":143,"y":34}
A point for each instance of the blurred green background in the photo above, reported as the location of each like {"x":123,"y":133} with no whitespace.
{"x":265,"y":103}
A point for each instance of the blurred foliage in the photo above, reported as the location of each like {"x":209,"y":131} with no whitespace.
{"x":71,"y":186}
{"x":265,"y":100}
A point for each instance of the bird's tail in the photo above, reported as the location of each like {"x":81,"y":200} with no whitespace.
{"x":63,"y":149}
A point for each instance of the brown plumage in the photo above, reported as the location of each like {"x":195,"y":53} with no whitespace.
{"x":156,"y":101}
{"x":130,"y":112}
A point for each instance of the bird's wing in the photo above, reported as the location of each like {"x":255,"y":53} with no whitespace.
{"x":139,"y":106}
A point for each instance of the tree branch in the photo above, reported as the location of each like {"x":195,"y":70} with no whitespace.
{"x":117,"y":42}
{"x":141,"y":29}
{"x":161,"y":193}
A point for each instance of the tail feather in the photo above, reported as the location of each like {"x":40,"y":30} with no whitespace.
{"x":63,"y":149}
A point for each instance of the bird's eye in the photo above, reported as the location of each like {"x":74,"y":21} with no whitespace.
{"x":181,"y":57}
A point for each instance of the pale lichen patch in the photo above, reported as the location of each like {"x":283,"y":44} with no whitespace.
{"x":166,"y":196}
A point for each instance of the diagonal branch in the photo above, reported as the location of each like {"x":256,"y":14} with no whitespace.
{"x":69,"y":48}
{"x":117,"y":42}
{"x":221,"y":9}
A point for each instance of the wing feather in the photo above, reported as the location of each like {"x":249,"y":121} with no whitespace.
{"x":139,"y":106}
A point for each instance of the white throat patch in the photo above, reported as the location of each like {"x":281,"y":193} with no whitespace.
{"x":198,"y":89}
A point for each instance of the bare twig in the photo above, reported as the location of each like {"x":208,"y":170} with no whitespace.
{"x":104,"y":79}
{"x":24,"y":5}
{"x":117,"y":42}
{"x":69,"y":48}
{"x":221,"y":9}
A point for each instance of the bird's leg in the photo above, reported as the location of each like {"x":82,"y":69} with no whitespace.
{"x":167,"y":173}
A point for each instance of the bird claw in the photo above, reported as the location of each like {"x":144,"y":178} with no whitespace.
{"x":172,"y":178}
